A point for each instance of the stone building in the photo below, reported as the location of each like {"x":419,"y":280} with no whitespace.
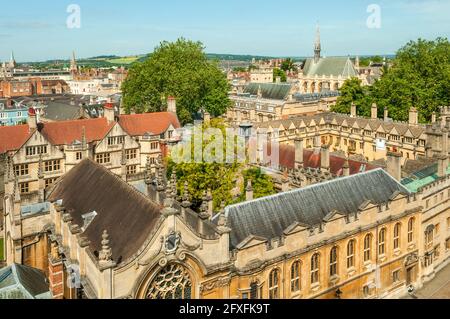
{"x":275,"y":101}
{"x":367,"y":237}
{"x":37,"y":154}
{"x":323,"y":74}
{"x":370,"y":138}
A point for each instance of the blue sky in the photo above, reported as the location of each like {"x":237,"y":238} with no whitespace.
{"x":36,"y":30}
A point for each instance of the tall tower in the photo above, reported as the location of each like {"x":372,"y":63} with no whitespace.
{"x":317,"y":46}
{"x":73,"y":64}
{"x":12,"y":62}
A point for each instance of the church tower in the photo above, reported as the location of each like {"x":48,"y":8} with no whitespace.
{"x":12,"y":62}
{"x":73,"y":64}
{"x":317,"y":46}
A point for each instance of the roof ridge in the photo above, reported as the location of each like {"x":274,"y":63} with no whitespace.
{"x":299,"y":190}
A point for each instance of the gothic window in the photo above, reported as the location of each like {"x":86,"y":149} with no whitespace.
{"x":368,"y":247}
{"x":254,"y":291}
{"x":333,"y":261}
{"x":274,"y":279}
{"x":411,"y":230}
{"x":295,"y":276}
{"x":315,"y":269}
{"x":382,"y":242}
{"x":172,"y":282}
{"x":351,"y":254}
{"x":397,"y":229}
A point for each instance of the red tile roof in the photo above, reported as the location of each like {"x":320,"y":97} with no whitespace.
{"x":13,"y":137}
{"x":66,"y":132}
{"x":311,"y":159}
{"x":152,"y":123}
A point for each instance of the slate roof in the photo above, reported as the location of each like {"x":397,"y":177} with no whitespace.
{"x":57,"y":111}
{"x":269,"y":217}
{"x":127,"y":215}
{"x":334,"y":66}
{"x":23,"y":282}
{"x":272,"y":91}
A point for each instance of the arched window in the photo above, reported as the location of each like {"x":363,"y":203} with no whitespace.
{"x":172,"y":282}
{"x":397,"y":229}
{"x":274,"y":279}
{"x":382,"y":242}
{"x":368,"y":247}
{"x":351,"y":254}
{"x":333,"y":261}
{"x":254,"y":290}
{"x":295,"y":276}
{"x":315,"y":268}
{"x":411,"y":230}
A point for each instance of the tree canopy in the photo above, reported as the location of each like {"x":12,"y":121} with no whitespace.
{"x":180,"y":69}
{"x":223,"y":179}
{"x":419,"y":77}
{"x":279,"y":73}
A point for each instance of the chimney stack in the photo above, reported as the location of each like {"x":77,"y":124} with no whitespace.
{"x":325,"y":158}
{"x":386,"y":114}
{"x":171,"y":105}
{"x":374,"y":111}
{"x":109,"y":113}
{"x":413,"y":116}
{"x":442,"y":166}
{"x":298,"y":153}
{"x":32,"y":120}
{"x":207,"y":118}
{"x":353,"y":110}
{"x":433,"y":117}
{"x":346,"y":168}
{"x":394,"y":165}
{"x":249,"y":191}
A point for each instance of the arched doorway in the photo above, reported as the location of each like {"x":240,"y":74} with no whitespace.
{"x":171,"y":282}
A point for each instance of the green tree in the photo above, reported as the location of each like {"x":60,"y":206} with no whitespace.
{"x":279,"y":73}
{"x":220,"y":178}
{"x":179,"y":69}
{"x":352,"y":91}
{"x":419,"y":77}
{"x":288,"y":65}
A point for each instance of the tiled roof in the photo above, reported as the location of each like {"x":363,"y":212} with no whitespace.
{"x":67,"y":132}
{"x":310,"y":205}
{"x":13,"y":137}
{"x":151,"y":123}
{"x":23,"y":282}
{"x":312,"y":159}
{"x":127,"y":215}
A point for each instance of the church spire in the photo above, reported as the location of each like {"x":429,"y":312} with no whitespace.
{"x":12,"y":61}
{"x":317,"y":46}
{"x":73,"y":64}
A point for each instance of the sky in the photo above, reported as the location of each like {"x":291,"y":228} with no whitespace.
{"x":38,"y":30}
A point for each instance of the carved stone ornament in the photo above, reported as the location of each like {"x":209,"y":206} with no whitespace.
{"x":172,"y":242}
{"x":412,"y":259}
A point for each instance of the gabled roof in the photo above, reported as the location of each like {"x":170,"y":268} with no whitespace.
{"x":23,"y":282}
{"x":153,"y":123}
{"x":13,"y":137}
{"x":67,"y":132}
{"x":126,"y":214}
{"x":270,"y":216}
{"x":334,"y":66}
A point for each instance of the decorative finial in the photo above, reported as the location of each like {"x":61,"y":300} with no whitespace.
{"x":105,"y":254}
